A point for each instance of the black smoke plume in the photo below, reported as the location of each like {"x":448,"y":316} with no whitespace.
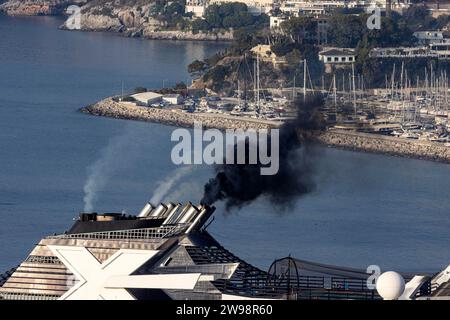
{"x":240,"y":184}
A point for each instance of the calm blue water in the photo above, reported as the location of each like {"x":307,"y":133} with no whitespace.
{"x":367,"y":209}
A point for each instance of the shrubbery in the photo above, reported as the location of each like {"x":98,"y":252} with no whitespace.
{"x":140,"y":89}
{"x":228,"y":15}
{"x":196,"y":66}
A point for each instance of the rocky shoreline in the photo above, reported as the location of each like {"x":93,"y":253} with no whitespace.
{"x":355,"y":141}
{"x":128,"y":20}
{"x":37,"y":7}
{"x":188,"y":36}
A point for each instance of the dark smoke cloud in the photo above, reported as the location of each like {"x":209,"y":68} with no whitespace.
{"x":240,"y":184}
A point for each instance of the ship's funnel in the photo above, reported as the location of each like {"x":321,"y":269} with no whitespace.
{"x":146,"y":210}
{"x":201,"y":218}
{"x":171,"y":212}
{"x":188,"y":215}
{"x":169,"y":209}
{"x":159,"y":211}
{"x":173,"y":216}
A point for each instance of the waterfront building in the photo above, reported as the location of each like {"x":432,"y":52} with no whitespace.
{"x":428,"y":37}
{"x":440,"y":50}
{"x":174,"y":98}
{"x":319,"y":7}
{"x":197,"y":7}
{"x":337,"y":56}
{"x":275,"y":21}
{"x":255,"y":7}
{"x":147,"y":98}
{"x":402,"y":52}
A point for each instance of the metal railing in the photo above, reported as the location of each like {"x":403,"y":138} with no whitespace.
{"x":6,"y":275}
{"x":144,"y":233}
{"x":43,"y":259}
{"x":26,"y":296}
{"x":303,"y":287}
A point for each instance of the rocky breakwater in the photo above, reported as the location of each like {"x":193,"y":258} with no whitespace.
{"x":187,"y":35}
{"x":37,"y":7}
{"x":126,"y":110}
{"x":386,"y":145}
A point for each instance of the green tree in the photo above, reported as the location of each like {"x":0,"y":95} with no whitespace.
{"x":200,"y":25}
{"x":418,"y":17}
{"x":196,"y":66}
{"x":217,"y":73}
{"x":345,"y":31}
{"x":180,"y":86}
{"x":300,"y":29}
{"x":140,"y":89}
{"x":282,"y":48}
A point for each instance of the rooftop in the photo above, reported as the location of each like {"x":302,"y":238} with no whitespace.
{"x":337,"y":52}
{"x":146,"y":95}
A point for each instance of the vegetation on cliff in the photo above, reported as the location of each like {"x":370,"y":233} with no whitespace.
{"x":145,"y":17}
{"x":233,"y":15}
{"x":297,"y":41}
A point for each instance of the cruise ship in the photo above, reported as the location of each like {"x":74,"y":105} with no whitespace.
{"x":166,"y":252}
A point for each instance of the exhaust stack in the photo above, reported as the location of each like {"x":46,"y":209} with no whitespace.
{"x":159,"y":211}
{"x":146,"y":210}
{"x":171,"y":213}
{"x":201,"y":218}
{"x":188,"y":215}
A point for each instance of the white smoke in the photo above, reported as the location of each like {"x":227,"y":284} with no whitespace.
{"x":166,"y":185}
{"x":186,"y":191}
{"x":119,"y":154}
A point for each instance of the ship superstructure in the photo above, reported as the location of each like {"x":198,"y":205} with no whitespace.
{"x":165,"y":252}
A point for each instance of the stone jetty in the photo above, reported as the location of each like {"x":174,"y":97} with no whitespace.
{"x":375,"y":143}
{"x":335,"y":138}
{"x":128,"y":110}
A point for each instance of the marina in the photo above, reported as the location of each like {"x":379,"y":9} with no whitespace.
{"x":401,"y":119}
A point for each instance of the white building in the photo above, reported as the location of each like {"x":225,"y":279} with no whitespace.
{"x":173,"y":98}
{"x":318,"y":7}
{"x":337,"y":56}
{"x":403,"y":52}
{"x":442,"y":49}
{"x":275,"y":22}
{"x":428,"y":37}
{"x":255,"y":7}
{"x":197,"y":7}
{"x":147,"y":98}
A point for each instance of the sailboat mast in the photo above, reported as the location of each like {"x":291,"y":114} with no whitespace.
{"x":334,"y":90}
{"x":354,"y":89}
{"x":304,"y":79}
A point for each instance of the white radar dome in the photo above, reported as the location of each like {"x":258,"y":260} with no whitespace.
{"x":390,"y":285}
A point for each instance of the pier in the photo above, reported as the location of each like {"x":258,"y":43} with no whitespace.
{"x":124,"y":110}
{"x":350,"y":140}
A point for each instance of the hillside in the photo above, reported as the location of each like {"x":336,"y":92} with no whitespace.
{"x":154,"y":19}
{"x":37,"y":7}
